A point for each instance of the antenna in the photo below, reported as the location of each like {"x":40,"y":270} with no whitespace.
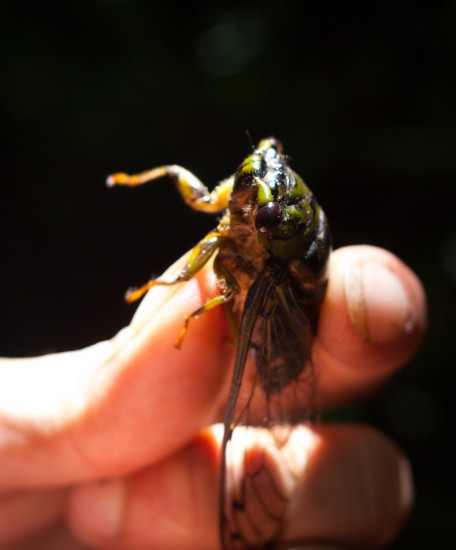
{"x":249,"y":137}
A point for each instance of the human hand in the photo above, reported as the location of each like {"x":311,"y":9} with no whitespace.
{"x":104,"y":448}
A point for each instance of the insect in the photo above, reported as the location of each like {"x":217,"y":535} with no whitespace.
{"x":270,"y":247}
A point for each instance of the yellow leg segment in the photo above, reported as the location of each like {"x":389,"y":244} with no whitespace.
{"x":192,"y":190}
{"x":198,"y":256}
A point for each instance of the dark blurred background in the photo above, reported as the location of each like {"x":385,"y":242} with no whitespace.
{"x":364,"y":101}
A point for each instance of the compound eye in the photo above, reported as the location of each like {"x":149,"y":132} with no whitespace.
{"x":268,"y":217}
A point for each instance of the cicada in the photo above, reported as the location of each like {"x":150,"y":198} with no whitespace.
{"x":270,"y":249}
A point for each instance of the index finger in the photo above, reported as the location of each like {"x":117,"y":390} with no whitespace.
{"x":118,"y":405}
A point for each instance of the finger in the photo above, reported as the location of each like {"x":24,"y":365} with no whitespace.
{"x":57,"y":537}
{"x":357,"y":481}
{"x":170,"y":505}
{"x":355,"y":490}
{"x":111,"y":408}
{"x":372,"y":321}
{"x":23,"y":515}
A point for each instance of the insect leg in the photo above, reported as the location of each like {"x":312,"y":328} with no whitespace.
{"x":198,"y":256}
{"x":192,"y":190}
{"x":230,"y":288}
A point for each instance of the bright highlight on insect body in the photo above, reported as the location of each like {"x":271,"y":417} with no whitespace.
{"x":270,"y":248}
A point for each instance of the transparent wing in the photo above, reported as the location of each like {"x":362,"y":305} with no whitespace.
{"x":272,"y":392}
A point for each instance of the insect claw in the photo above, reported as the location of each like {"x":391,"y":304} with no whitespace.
{"x":182,"y":333}
{"x":133,"y":294}
{"x":117,"y":179}
{"x":178,"y":342}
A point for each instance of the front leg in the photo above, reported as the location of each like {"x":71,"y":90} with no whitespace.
{"x":192,"y":190}
{"x":197,"y":258}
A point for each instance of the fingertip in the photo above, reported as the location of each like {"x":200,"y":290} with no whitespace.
{"x":357,"y":491}
{"x":374,"y":315}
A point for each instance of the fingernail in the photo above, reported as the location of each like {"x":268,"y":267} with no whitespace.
{"x":99,"y":507}
{"x":379,"y":307}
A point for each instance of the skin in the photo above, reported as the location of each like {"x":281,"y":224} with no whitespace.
{"x":106,"y":447}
